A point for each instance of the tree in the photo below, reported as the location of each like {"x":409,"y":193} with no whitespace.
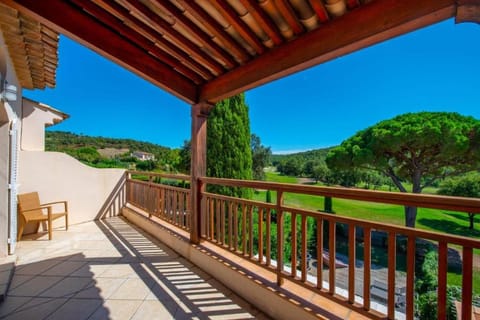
{"x":260,"y":157}
{"x":185,"y":157}
{"x":419,"y":148}
{"x":464,"y":186}
{"x":228,"y":144}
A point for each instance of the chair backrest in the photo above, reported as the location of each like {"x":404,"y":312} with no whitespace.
{"x":27,"y":201}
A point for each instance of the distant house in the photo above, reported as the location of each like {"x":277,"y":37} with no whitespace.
{"x":143,"y":156}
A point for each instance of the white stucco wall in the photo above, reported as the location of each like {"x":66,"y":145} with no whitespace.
{"x":8,"y":112}
{"x":91,"y":193}
{"x":34,"y":120}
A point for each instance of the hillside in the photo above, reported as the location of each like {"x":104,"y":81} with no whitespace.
{"x":302,"y":157}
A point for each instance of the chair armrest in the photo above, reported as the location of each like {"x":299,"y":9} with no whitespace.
{"x":49,"y":208}
{"x":50,"y":204}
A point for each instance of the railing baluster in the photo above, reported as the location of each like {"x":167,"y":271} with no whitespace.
{"x":319,"y":253}
{"x":304,"y":248}
{"x":222,"y":221}
{"x":410,"y":294}
{"x":367,"y":258}
{"x":293,"y":244}
{"x":391,"y":274}
{"x":467,"y":283}
{"x":217,"y":220}
{"x":442,"y":279}
{"x":332,"y":255}
{"x":268,"y":240}
{"x":244,"y":229}
{"x":279,"y":237}
{"x":212,"y":219}
{"x":235,"y":227}
{"x":260,"y":235}
{"x":250,"y":232}
{"x":230,"y":225}
{"x":351,"y":263}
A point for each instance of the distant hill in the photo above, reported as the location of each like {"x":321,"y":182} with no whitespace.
{"x":67,"y":141}
{"x":302,"y":157}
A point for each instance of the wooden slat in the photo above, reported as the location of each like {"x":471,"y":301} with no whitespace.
{"x":217,"y":221}
{"x":263,"y":20}
{"x":293,"y":244}
{"x":189,"y":26}
{"x":235,"y":227}
{"x":380,"y":20}
{"x":332,"y":253}
{"x":410,"y":294}
{"x":268,"y":237}
{"x":287,"y":12}
{"x":230,"y":225}
{"x":304,"y":248}
{"x":250,"y":232}
{"x":244,"y":228}
{"x":179,"y":39}
{"x":442,"y":279}
{"x":212,"y":219}
{"x":241,"y":27}
{"x":260,"y":235}
{"x":467,"y":282}
{"x":319,"y":253}
{"x":320,"y":10}
{"x":222,"y":221}
{"x":215,"y":28}
{"x":351,"y":264}
{"x":367,"y":258}
{"x":87,"y":30}
{"x":279,"y":237}
{"x":392,"y":265}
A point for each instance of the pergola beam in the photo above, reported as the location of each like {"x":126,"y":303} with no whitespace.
{"x":374,"y":22}
{"x":83,"y":28}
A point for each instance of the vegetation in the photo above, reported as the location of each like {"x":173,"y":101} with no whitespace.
{"x":419,"y":148}
{"x":465,"y":186}
{"x":228,"y":144}
{"x":86,"y":149}
{"x":260,"y":157}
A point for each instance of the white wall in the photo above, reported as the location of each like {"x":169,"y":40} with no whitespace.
{"x":34,"y":120}
{"x":91,"y":193}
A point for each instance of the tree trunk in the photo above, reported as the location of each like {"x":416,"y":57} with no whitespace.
{"x":410,"y":216}
{"x":471,"y":216}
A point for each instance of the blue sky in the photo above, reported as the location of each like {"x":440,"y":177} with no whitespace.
{"x":433,"y":69}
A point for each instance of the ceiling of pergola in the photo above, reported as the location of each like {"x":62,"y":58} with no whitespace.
{"x":206,"y":50}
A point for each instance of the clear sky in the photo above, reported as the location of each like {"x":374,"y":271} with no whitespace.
{"x":434,"y":69}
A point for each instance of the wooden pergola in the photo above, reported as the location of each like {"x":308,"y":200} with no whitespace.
{"x":203,"y":51}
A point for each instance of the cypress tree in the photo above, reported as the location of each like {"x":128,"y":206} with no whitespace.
{"x":228,"y":144}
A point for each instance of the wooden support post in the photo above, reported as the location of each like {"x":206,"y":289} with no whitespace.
{"x":468,"y":11}
{"x":198,"y":169}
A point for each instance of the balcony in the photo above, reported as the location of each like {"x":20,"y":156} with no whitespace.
{"x":143,"y":265}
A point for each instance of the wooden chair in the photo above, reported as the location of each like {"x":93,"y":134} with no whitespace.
{"x":30,"y":210}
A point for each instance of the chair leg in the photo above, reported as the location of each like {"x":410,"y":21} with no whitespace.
{"x":38,"y":227}
{"x":66,"y":222}
{"x":20,"y":231}
{"x":49,"y":229}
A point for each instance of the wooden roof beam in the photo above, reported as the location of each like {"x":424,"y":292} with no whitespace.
{"x":468,"y":11}
{"x":88,"y":31}
{"x":287,"y":12}
{"x":242,"y":28}
{"x":374,"y":22}
{"x":139,"y":26}
{"x":136,"y":38}
{"x":263,"y":20}
{"x":198,"y":33}
{"x":215,"y":28}
{"x":139,"y":8}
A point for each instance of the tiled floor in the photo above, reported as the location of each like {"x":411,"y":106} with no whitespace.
{"x":111,"y":270}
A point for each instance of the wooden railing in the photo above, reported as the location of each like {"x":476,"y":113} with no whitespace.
{"x":163,"y":200}
{"x":275,"y":236}
{"x":245,"y":228}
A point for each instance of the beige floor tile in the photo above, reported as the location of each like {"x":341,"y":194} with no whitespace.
{"x":91,"y":270}
{"x":152,"y":309}
{"x":100,"y":288}
{"x":116,"y":309}
{"x":131,"y":289}
{"x":35,"y":268}
{"x":64,"y":268}
{"x":11,"y":304}
{"x":78,"y":309}
{"x":34,"y":286}
{"x":120,"y":271}
{"x":66,"y":288}
{"x":37,"y":308}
